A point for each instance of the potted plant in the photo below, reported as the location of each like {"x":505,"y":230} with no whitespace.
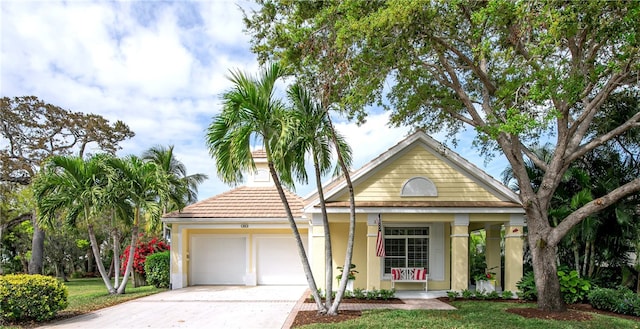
{"x":350,"y":278}
{"x":487,"y":281}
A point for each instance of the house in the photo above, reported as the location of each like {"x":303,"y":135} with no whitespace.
{"x":427,"y":197}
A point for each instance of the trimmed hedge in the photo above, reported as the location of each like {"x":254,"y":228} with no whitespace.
{"x":621,"y":300}
{"x":157,"y":267}
{"x":31,"y":297}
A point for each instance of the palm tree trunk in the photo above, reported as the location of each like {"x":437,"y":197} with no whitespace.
{"x":592,"y":259}
{"x":96,"y":255}
{"x":586,"y":258}
{"x":352,"y":223}
{"x":576,"y":254}
{"x":132,"y":249}
{"x":116,"y":256}
{"x":328,"y":253}
{"x":296,"y":234}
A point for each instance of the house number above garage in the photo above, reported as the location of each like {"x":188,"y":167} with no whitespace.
{"x":244,"y":225}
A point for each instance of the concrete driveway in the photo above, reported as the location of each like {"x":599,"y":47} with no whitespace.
{"x":197,"y":307}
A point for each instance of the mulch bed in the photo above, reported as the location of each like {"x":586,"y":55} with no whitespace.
{"x":309,"y":317}
{"x":575,"y":312}
{"x":363,"y":301}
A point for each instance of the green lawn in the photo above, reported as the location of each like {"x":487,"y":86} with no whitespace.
{"x":474,"y":314}
{"x":87,"y":295}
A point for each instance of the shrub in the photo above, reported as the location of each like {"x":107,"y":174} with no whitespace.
{"x":31,"y":297}
{"x":385,"y":294}
{"x":466,"y":294}
{"x":621,"y":300}
{"x":527,"y":287}
{"x":493,"y":295}
{"x":359,"y":293}
{"x":140,"y":253}
{"x":452,"y":294}
{"x":507,"y":294}
{"x":573,"y":288}
{"x":157,"y":268}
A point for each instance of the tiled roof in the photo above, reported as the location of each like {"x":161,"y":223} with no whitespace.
{"x":243,"y":202}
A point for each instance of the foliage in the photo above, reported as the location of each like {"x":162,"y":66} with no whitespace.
{"x":477,"y":259}
{"x":527,"y":287}
{"x":470,"y":314}
{"x":507,"y":294}
{"x":32,"y":130}
{"x":452,"y":295}
{"x":143,"y":249}
{"x":513,"y":72}
{"x":574,"y":288}
{"x":352,"y":272}
{"x":466,"y":294}
{"x":31,"y":297}
{"x":183,"y":188}
{"x":479,"y":294}
{"x":358,"y":293}
{"x":487,"y":274}
{"x":157,"y":269}
{"x":621,"y":300}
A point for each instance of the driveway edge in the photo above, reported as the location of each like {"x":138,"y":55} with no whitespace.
{"x":294,"y":311}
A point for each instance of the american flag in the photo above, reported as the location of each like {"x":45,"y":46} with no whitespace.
{"x":380,"y":240}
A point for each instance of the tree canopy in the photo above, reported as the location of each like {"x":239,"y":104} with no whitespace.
{"x":516,"y":72}
{"x":32,"y":130}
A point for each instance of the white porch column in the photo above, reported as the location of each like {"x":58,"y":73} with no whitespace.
{"x":513,"y":252}
{"x":373,"y":261}
{"x":316,"y":251}
{"x":460,"y":252}
{"x":178,"y":278}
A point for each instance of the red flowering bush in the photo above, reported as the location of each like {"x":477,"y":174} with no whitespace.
{"x":144,"y":248}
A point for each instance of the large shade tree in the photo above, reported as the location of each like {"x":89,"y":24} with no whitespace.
{"x":32,"y":130}
{"x":514,"y":72}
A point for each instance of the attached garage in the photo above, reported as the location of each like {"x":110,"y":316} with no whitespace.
{"x":218,"y":260}
{"x":239,"y":237}
{"x":277,"y":260}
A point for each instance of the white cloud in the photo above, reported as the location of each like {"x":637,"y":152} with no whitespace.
{"x":158,"y":66}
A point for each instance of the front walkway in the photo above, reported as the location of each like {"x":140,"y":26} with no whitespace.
{"x":413,"y":300}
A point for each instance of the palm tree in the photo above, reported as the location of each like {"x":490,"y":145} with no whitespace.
{"x":183,"y":188}
{"x":142,"y":184}
{"x":314,"y":136}
{"x":76,"y":187}
{"x":251,"y":112}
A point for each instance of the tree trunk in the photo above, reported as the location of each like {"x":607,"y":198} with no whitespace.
{"x":134,"y":235}
{"x":592,"y":260}
{"x":352,"y":224}
{"x":546,"y":274}
{"x":328,"y":253}
{"x":116,"y":256}
{"x":576,"y":253}
{"x":583,"y":273}
{"x":37,"y":248}
{"x":311,"y":281}
{"x":96,"y":253}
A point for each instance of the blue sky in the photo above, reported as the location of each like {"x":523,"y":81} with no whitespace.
{"x":159,"y":66}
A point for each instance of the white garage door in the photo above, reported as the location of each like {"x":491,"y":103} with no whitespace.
{"x":277,"y":260}
{"x":217,"y":260}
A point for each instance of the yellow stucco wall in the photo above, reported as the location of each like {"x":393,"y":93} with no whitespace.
{"x":386,"y":183}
